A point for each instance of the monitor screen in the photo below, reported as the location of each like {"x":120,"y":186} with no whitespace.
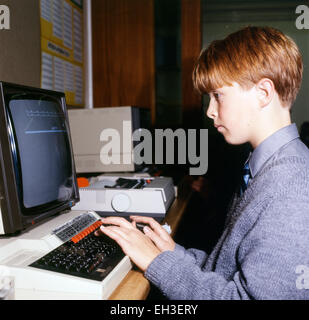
{"x":43,"y":148}
{"x":41,"y":153}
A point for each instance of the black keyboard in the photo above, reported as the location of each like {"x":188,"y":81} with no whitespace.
{"x":85,"y":255}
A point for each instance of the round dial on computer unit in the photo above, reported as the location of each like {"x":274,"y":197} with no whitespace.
{"x":121,"y":202}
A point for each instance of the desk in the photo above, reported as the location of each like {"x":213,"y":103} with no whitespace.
{"x":135,"y":286}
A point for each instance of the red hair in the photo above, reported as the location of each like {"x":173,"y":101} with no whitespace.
{"x":247,"y":56}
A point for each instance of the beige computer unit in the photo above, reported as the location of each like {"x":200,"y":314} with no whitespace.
{"x":93,"y":131}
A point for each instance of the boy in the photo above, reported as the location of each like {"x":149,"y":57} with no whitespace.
{"x":252,"y":78}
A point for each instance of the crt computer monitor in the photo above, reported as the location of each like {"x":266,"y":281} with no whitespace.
{"x":37,"y":172}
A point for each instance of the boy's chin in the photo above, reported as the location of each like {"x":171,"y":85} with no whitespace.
{"x":234,"y":141}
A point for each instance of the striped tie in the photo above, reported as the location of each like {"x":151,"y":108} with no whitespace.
{"x":245,"y":178}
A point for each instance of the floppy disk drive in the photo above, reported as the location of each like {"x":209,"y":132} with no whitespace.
{"x":124,"y":196}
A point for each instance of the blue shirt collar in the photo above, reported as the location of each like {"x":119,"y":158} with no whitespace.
{"x":269,"y":146}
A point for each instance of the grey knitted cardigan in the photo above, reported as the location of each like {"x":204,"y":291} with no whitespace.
{"x":263,"y":252}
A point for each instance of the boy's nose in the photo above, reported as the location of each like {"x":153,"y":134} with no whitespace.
{"x":211,"y":111}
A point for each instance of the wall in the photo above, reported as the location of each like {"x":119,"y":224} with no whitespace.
{"x":20,"y":54}
{"x":123,"y":53}
{"x":168,"y":63}
{"x":191,"y":26}
{"x":144,"y":53}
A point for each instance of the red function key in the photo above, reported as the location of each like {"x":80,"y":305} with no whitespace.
{"x":86,"y":231}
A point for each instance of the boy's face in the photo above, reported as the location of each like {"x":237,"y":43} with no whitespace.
{"x":233,"y":110}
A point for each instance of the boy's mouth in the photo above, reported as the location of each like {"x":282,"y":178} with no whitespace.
{"x":219,"y":127}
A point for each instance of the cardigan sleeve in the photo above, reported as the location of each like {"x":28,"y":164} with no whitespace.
{"x":179,"y":278}
{"x":197,"y":257}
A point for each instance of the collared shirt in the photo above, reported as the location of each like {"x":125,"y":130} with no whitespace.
{"x":270,"y":146}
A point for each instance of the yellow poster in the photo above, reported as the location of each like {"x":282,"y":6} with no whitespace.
{"x":62,"y":48}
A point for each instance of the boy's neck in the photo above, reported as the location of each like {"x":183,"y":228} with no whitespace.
{"x":271,"y":124}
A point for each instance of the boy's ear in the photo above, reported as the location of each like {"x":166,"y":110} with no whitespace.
{"x":265,"y":90}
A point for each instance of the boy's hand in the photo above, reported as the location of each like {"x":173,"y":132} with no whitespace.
{"x":134,"y":243}
{"x":156,"y":233}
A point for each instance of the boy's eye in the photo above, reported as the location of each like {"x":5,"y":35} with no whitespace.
{"x":217,"y":95}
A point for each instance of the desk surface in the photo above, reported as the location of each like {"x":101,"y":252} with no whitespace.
{"x":135,"y":286}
